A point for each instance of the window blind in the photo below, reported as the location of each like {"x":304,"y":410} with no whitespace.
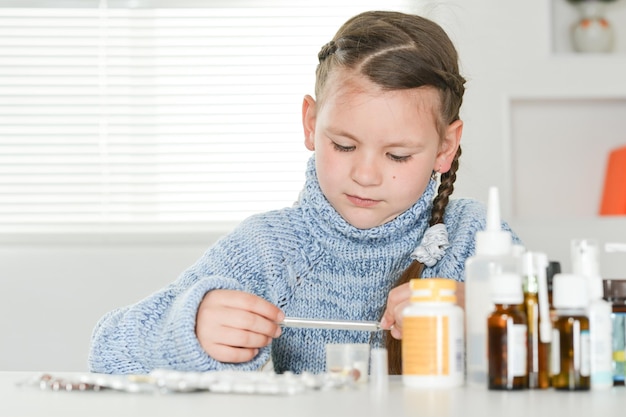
{"x":163,"y":115}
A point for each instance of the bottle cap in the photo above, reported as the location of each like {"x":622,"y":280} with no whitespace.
{"x":569,"y":291}
{"x":433,"y":290}
{"x":554,"y":267}
{"x":506,"y":288}
{"x":585,"y":253}
{"x":493,"y":240}
{"x":615,"y":289}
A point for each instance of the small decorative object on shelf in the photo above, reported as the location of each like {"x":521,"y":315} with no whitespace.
{"x":593,"y":32}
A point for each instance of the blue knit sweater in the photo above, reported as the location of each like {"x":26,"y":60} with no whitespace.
{"x":306,"y":260}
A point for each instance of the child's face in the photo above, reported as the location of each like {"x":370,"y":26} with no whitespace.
{"x":375,"y":150}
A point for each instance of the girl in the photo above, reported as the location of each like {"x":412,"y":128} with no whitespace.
{"x":383,"y":125}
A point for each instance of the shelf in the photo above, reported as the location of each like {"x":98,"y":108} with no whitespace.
{"x":558,"y":153}
{"x":564,"y":14}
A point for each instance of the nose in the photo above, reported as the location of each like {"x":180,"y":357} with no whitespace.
{"x":366,"y":172}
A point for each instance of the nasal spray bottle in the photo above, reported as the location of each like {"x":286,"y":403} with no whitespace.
{"x":585,"y":263}
{"x":494,"y":257}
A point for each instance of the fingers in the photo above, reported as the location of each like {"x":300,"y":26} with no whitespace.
{"x":398,"y":299}
{"x":235,"y":345}
{"x":250,"y":322}
{"x":229,"y":354}
{"x":250,"y":302}
{"x":232,"y":326}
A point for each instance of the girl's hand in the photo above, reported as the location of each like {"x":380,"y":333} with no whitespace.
{"x":398,"y":299}
{"x":232,"y":326}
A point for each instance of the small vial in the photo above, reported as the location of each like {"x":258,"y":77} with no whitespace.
{"x":379,"y":364}
{"x":615,"y":293}
{"x":570,"y":362}
{"x":432,"y":340}
{"x":506,"y":334}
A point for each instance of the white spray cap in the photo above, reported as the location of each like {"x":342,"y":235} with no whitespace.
{"x":493,"y":240}
{"x":585,"y":253}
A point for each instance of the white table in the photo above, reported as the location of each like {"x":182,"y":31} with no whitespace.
{"x":16,"y":401}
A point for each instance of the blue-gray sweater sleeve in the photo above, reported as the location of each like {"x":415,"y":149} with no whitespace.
{"x":159,"y":331}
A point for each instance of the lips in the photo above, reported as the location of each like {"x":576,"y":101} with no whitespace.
{"x":362,"y":202}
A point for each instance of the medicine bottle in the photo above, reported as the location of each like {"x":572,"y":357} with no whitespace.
{"x":537,"y":309}
{"x":494,"y":255}
{"x":432,"y":336}
{"x":506,"y":334}
{"x":585,"y":262}
{"x":570,"y":362}
{"x":615,"y":294}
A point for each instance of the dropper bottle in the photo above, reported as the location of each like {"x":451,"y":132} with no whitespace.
{"x":493,"y":256}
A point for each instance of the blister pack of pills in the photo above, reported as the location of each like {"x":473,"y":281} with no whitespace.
{"x":168,"y":381}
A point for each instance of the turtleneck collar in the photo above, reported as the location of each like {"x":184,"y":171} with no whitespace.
{"x":327,"y":224}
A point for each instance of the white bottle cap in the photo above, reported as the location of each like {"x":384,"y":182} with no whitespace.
{"x":585,"y":254}
{"x":493,"y":240}
{"x":506,"y":288}
{"x":569,"y":291}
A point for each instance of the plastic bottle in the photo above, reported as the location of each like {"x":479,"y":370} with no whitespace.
{"x":585,"y":263}
{"x":506,"y":334}
{"x":537,"y":311}
{"x":493,"y":257}
{"x":432,"y":340}
{"x":615,"y":293}
{"x":570,"y":364}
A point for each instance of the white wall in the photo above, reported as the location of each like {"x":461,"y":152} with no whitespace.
{"x":51,"y":295}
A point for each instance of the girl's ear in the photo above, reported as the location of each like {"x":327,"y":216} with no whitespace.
{"x":308,"y":121}
{"x":448,"y":147}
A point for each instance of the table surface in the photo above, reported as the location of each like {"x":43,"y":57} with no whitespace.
{"x":397,"y":400}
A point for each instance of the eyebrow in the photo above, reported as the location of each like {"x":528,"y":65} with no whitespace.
{"x":396,"y":144}
{"x":342,"y":133}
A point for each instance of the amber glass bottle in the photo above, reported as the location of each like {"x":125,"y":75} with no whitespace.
{"x":506,"y":334}
{"x":570,"y":362}
{"x":538,"y":350}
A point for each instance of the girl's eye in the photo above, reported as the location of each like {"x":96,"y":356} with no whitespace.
{"x":398,"y":158}
{"x":341,"y":148}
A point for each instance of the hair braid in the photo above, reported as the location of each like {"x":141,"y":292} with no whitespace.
{"x":415,"y":269}
{"x":446,"y":187}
